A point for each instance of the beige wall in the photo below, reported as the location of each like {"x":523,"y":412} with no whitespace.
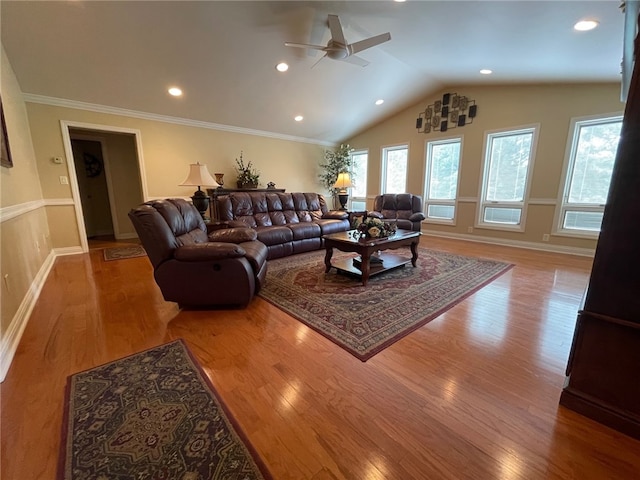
{"x":499,"y":107}
{"x":24,"y":238}
{"x":167,"y":151}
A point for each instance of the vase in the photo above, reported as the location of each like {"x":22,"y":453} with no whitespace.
{"x":219,"y":178}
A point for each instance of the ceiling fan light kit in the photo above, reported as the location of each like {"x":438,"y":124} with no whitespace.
{"x":452,"y":111}
{"x":337,"y":47}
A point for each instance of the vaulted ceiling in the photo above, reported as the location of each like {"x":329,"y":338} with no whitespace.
{"x":223,"y":55}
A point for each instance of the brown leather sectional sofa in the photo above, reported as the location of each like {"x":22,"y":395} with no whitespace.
{"x":287,"y":223}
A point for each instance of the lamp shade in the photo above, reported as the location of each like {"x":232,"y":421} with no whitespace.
{"x":343,"y":182}
{"x":199,"y":176}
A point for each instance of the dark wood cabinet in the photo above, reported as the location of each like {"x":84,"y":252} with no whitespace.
{"x":603,"y":373}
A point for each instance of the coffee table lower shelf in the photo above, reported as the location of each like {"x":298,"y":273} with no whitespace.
{"x":389,"y":262}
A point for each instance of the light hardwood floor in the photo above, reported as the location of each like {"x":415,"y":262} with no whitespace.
{"x":471,"y":395}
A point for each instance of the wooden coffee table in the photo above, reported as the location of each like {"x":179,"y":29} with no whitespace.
{"x":348,"y":242}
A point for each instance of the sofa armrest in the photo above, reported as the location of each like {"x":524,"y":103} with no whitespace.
{"x":213,"y":226}
{"x":375,"y":215}
{"x":236,"y":224}
{"x":417,"y":217}
{"x":336,"y":215}
{"x":233,"y":235}
{"x":203,"y":252}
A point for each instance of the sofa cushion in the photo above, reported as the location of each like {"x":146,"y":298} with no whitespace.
{"x":274,"y":235}
{"x":305,"y":230}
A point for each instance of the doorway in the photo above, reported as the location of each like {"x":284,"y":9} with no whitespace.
{"x":92,"y":185}
{"x":107,"y":180}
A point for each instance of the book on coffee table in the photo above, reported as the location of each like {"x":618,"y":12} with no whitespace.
{"x":373,"y":261}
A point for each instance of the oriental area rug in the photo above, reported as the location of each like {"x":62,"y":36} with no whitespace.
{"x":366,"y":320}
{"x":118,"y":253}
{"x":152,"y":415}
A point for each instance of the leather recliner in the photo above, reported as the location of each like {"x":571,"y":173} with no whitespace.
{"x":405,"y":209}
{"x":192,"y":267}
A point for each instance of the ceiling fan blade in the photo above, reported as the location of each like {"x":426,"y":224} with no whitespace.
{"x":304,"y":45}
{"x":369,"y":42}
{"x":355,"y":60}
{"x":336,"y":30}
{"x":323,"y":56}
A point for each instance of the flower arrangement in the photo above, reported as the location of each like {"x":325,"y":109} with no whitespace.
{"x":374,"y":227}
{"x":248,"y":176}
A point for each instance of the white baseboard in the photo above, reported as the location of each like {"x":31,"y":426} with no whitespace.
{"x":126,"y":236}
{"x":67,"y":251}
{"x":19,"y":322}
{"x":583,"y":252}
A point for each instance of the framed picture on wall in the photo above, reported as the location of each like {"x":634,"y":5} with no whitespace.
{"x":5,"y":154}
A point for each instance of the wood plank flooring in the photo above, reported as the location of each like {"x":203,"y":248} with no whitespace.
{"x":471,"y":395}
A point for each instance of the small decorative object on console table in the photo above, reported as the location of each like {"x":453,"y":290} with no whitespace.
{"x":219,"y":178}
{"x":200,"y":176}
{"x":248,"y":176}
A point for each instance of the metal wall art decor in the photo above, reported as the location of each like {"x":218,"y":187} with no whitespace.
{"x":452,"y":111}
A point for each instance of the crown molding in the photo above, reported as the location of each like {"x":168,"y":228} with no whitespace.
{"x":94,"y":107}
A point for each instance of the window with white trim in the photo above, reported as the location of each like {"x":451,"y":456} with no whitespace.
{"x":394,"y":169}
{"x":591,"y":152}
{"x":358,"y":197}
{"x":441,"y":181}
{"x":506,"y":176}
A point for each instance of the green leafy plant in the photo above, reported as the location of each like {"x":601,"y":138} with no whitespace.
{"x":335,"y":162}
{"x":247,"y":174}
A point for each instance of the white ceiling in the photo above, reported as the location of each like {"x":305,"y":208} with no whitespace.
{"x":223,"y":55}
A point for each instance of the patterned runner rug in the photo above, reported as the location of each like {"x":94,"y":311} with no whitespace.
{"x":366,"y":320}
{"x":153,"y":415}
{"x":117,"y":253}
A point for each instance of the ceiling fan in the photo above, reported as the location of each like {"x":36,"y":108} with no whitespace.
{"x":338,"y":49}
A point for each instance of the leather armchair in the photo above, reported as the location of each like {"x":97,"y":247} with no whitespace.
{"x":405,"y":209}
{"x":192,"y":267}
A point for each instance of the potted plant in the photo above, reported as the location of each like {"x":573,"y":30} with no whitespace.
{"x":248,"y":176}
{"x":336,"y":162}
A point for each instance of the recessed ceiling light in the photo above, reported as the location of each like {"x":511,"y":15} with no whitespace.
{"x":379,"y":102}
{"x":400,"y":1}
{"x":175,"y":91}
{"x":298,"y":118}
{"x":486,"y":71}
{"x":585,"y":25}
{"x":282,"y":67}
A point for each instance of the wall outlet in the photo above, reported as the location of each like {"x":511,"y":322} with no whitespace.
{"x":545,"y":237}
{"x":64,"y":180}
{"x":469,"y":229}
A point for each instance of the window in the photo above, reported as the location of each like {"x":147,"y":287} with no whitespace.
{"x":441,"y":182}
{"x":359,"y":178}
{"x":591,"y":152}
{"x":505,"y":180}
{"x":394,"y":169}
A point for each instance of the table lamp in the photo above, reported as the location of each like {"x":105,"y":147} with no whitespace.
{"x":343,"y":182}
{"x":200,"y":176}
